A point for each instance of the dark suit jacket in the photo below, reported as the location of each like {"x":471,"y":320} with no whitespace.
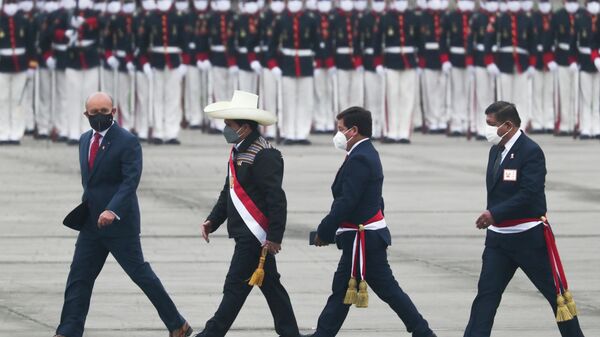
{"x":357,"y":195}
{"x":523,"y":198}
{"x":261,"y":175}
{"x":113,"y":181}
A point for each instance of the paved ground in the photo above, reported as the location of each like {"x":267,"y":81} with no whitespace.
{"x":434,"y":191}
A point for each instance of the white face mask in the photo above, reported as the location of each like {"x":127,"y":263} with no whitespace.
{"x":339,"y":140}
{"x":128,"y":7}
{"x":502,"y":7}
{"x":422,"y":4}
{"x":11,"y":9}
{"x":593,"y":7}
{"x":50,"y":6}
{"x":250,"y":7}
{"x":378,"y":6}
{"x":445,"y":4}
{"x":513,"y":6}
{"x":527,"y":5}
{"x":491,"y":6}
{"x":86,"y":4}
{"x":466,"y":5}
{"x":572,"y":7}
{"x":182,"y":6}
{"x":164,"y":5}
{"x":294,"y":6}
{"x":401,"y":5}
{"x":434,"y":5}
{"x":360,"y":5}
{"x":545,"y":7}
{"x":149,"y":5}
{"x":223,"y":5}
{"x":311,"y":5}
{"x":346,"y":5}
{"x":324,"y":6}
{"x":277,"y":6}
{"x":68,"y":4}
{"x":261,"y":4}
{"x":114,"y":7}
{"x":201,"y":5}
{"x":26,"y":6}
{"x":491,"y":133}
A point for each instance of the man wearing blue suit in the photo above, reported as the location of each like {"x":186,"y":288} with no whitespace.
{"x":111,"y":166}
{"x":516,"y":234}
{"x":356,"y":224}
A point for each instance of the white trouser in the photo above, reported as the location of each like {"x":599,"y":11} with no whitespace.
{"x":514,"y":88}
{"x":324,"y":117}
{"x":434,"y":98}
{"x":43,"y":112}
{"x":374,"y":101}
{"x":167,"y":104}
{"x":248,"y":81}
{"x":223,"y":85}
{"x":28,"y":104}
{"x":268,"y":99}
{"x":12,"y":118}
{"x":401,"y":97}
{"x":590,"y":104}
{"x":296,"y":117}
{"x":460,"y":109}
{"x":484,"y":92}
{"x":567,"y":89}
{"x":349,"y":89}
{"x":79,"y":85}
{"x":417,"y":120}
{"x":143,"y":105}
{"x":121,"y":96}
{"x":542,"y":115}
{"x":195,"y":95}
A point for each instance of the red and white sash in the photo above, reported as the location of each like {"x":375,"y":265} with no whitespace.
{"x":254,"y":219}
{"x":358,"y":250}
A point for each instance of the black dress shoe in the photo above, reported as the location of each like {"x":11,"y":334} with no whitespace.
{"x":214,"y":131}
{"x":386,"y":140}
{"x":14,"y":142}
{"x":142,"y":140}
{"x":41,"y":137}
{"x":62,"y":139}
{"x":404,"y":141}
{"x":3,"y":142}
{"x":173,"y":141}
{"x":157,"y":141}
{"x":585,"y":137}
{"x":455,"y":134}
{"x":195,"y":127}
{"x":480,"y":138}
{"x":288,"y":142}
{"x":29,"y":132}
{"x":73,"y":142}
{"x":303,"y":142}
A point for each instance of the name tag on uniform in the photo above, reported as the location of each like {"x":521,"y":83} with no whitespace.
{"x":510,"y":175}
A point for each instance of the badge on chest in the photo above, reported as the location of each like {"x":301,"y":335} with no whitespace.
{"x":510,"y":175}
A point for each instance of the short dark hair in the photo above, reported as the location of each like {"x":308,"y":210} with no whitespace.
{"x":359,"y":117}
{"x":253,"y":124}
{"x":504,"y":111}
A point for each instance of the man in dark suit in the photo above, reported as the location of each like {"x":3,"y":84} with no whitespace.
{"x":357,"y":200}
{"x":111,"y":166}
{"x":515,"y":234}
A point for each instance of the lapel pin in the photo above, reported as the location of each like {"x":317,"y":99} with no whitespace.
{"x":512,"y":156}
{"x":103,"y":147}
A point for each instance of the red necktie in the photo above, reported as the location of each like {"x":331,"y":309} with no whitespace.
{"x":94,"y":149}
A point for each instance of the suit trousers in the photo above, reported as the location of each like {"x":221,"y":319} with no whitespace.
{"x":296,"y":117}
{"x":324,"y":118}
{"x":45,"y":112}
{"x":499,"y":266}
{"x":89,"y":258}
{"x":167,"y":104}
{"x":590,"y":104}
{"x":380,"y":280}
{"x":12,"y":118}
{"x":375,"y":101}
{"x":567,"y":92}
{"x":79,"y":84}
{"x":121,"y":94}
{"x":484,"y":96}
{"x":143,"y":107}
{"x":223,"y":85}
{"x":268,"y":99}
{"x":401,"y":97}
{"x":350,"y":89}
{"x":434,"y":99}
{"x":515,"y":88}
{"x":236,"y":289}
{"x":461,"y":83}
{"x":542,"y":115}
{"x":195,"y":95}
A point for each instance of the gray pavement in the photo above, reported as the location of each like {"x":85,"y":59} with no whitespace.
{"x":434,"y":190}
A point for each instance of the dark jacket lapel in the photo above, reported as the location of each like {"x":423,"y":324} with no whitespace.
{"x":84,"y":153}
{"x":513,"y":149}
{"x":104,"y":146}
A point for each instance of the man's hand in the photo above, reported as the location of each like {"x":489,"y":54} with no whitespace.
{"x":319,"y":242}
{"x":206,"y":229}
{"x":106,"y":218}
{"x":485,"y":220}
{"x":272,"y":247}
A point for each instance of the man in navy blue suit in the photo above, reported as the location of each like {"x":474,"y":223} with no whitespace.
{"x":111,"y":166}
{"x":516,"y":237}
{"x":357,"y":225}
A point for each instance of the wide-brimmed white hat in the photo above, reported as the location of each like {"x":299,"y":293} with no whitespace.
{"x":243,"y":105}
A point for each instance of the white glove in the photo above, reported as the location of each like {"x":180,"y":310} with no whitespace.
{"x":446,"y":66}
{"x":30,"y":73}
{"x":574,"y":67}
{"x":130,"y":67}
{"x":71,"y":34}
{"x":318,"y":72}
{"x":199,"y":64}
{"x":182,"y":70}
{"x":332,"y":71}
{"x":206,"y":65}
{"x":380,"y":70}
{"x":233,"y":70}
{"x":597,"y":63}
{"x":530,"y":71}
{"x":552,"y":66}
{"x":470,"y":70}
{"x":276,"y":72}
{"x":77,"y":21}
{"x":51,"y":63}
{"x":419,"y":71}
{"x":255,"y":65}
{"x":148,"y":70}
{"x":360,"y":69}
{"x":112,"y":62}
{"x":492,"y":69}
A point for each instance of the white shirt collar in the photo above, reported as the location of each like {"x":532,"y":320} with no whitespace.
{"x":355,"y":145}
{"x":103,"y":133}
{"x":510,"y":143}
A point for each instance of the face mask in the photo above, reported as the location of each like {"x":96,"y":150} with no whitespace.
{"x":231,"y":136}
{"x":11,"y":9}
{"x":100,"y":122}
{"x":261,"y":4}
{"x":86,"y":4}
{"x":164,"y":5}
{"x":491,"y":6}
{"x":378,"y":6}
{"x":294,"y":6}
{"x":324,"y":6}
{"x":114,"y":7}
{"x":491,"y":133}
{"x":251,"y":7}
{"x":572,"y":7}
{"x":445,"y":4}
{"x":346,"y":5}
{"x":513,"y":6}
{"x":182,"y":5}
{"x":360,"y":5}
{"x":277,"y":6}
{"x":311,"y":5}
{"x":340,"y":141}
{"x":434,"y":5}
{"x":26,"y":6}
{"x":466,"y":5}
{"x":100,"y":6}
{"x":401,"y":5}
{"x":50,"y":6}
{"x":149,"y":5}
{"x":129,"y":7}
{"x":68,"y":4}
{"x":223,"y":5}
{"x":422,"y":4}
{"x":201,"y":5}
{"x":545,"y":7}
{"x":527,"y":5}
{"x":593,"y":7}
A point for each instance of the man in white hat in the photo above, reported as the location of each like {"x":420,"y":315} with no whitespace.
{"x":254,"y":205}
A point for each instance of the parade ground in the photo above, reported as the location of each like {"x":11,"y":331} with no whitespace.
{"x":434,"y":190}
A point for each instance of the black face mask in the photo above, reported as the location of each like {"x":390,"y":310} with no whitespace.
{"x":100,"y":122}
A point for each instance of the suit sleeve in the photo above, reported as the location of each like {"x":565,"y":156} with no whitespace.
{"x":356,"y":175}
{"x":532,"y":179}
{"x":218,"y":215}
{"x":131,"y":171}
{"x":268,"y":170}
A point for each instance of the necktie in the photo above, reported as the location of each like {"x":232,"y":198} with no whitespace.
{"x":498,"y":160}
{"x":94,"y":149}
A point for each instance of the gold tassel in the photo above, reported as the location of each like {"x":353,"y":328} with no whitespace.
{"x":259,"y":274}
{"x":571,"y":303}
{"x":562,"y":312}
{"x":362,"y":299}
{"x":350,"y":297}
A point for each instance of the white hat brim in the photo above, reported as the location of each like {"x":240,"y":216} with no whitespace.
{"x":224,"y":110}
